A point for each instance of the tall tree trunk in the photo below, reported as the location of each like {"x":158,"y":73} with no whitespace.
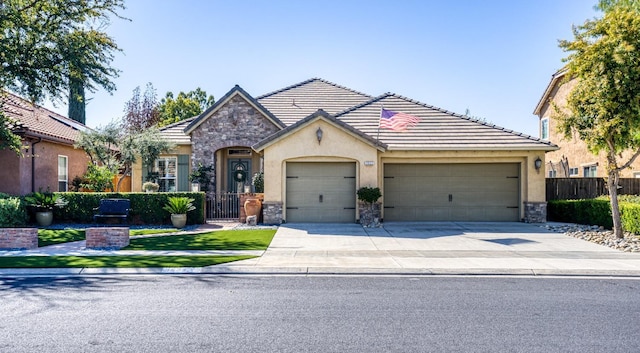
{"x":77,"y":102}
{"x":612,"y":185}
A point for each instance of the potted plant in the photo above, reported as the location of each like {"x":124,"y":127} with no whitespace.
{"x":369,"y":195}
{"x":178,"y":208}
{"x":150,"y":186}
{"x":42,"y":204}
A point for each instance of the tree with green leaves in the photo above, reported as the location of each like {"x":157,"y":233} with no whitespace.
{"x":90,"y":52}
{"x":118,"y":149}
{"x":183,"y":106}
{"x":37,"y":58}
{"x":603,"y":108}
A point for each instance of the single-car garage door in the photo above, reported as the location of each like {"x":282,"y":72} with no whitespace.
{"x":321,"y":192}
{"x":452,"y":192}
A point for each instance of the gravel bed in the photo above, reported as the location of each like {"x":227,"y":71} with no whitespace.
{"x":598,"y":235}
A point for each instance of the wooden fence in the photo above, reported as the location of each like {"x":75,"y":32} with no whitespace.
{"x":587,"y":188}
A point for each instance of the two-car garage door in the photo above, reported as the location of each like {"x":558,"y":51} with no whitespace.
{"x":451,"y":192}
{"x":326,"y":192}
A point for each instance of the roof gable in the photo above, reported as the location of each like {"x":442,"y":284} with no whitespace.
{"x":37,"y":121}
{"x":175,"y":132}
{"x":235,"y":91}
{"x":438,"y":129}
{"x":298,"y":101}
{"x":319,"y":114}
{"x":546,"y":96}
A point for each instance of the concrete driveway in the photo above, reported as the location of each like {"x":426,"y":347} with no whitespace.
{"x":437,"y":248}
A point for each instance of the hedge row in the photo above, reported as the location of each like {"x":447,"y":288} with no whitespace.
{"x":594,"y":212}
{"x":146,"y":208}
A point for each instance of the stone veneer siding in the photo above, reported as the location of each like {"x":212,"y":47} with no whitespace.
{"x":369,"y":216}
{"x":237,"y":123}
{"x":535,"y":212}
{"x":107,"y":237}
{"x":18,"y":238}
{"x":272,"y":212}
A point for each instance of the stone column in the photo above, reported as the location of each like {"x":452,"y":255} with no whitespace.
{"x":535,"y":212}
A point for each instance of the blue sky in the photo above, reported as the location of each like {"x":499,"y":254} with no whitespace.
{"x":492,"y":57}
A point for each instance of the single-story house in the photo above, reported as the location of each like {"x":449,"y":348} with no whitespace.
{"x":318,"y":142}
{"x":49,"y":161}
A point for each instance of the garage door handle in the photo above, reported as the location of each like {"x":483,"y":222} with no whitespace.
{"x":450,"y":198}
{"x":320,"y":198}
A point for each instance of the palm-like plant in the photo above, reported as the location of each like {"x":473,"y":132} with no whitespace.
{"x":179,"y":205}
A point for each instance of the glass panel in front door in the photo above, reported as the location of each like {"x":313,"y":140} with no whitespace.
{"x":235,"y":165}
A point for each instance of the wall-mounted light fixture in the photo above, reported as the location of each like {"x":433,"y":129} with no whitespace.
{"x":537,"y":163}
{"x":319,"y":135}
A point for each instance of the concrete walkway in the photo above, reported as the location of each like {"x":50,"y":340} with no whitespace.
{"x":447,"y":248}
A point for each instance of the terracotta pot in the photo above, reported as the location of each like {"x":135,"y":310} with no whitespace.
{"x":44,"y":218}
{"x":252,"y":207}
{"x":179,"y":220}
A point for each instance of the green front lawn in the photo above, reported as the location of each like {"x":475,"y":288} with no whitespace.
{"x":56,"y":236}
{"x":250,"y":239}
{"x":116,"y":261}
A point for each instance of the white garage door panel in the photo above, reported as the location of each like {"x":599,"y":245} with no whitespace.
{"x":320,"y":192}
{"x":451,"y":192}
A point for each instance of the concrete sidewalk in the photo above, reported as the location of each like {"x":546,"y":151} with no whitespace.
{"x":399,"y":248}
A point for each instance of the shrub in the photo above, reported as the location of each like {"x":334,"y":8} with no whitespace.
{"x":146,"y":208}
{"x":369,"y":194}
{"x":258,"y":182}
{"x":630,"y":217}
{"x":594,"y":212}
{"x":179,"y":205}
{"x":150,"y":186}
{"x":12,"y":213}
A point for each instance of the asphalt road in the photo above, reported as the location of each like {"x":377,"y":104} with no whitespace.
{"x":319,"y":314}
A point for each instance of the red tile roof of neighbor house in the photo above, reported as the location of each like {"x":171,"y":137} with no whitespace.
{"x":36,"y":121}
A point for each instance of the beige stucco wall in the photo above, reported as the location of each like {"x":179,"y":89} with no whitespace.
{"x":574,"y":150}
{"x":137,"y":174}
{"x":340,"y":146}
{"x":302,"y":146}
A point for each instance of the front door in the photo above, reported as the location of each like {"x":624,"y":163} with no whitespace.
{"x":238,"y":174}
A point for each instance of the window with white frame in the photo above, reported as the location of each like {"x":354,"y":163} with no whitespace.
{"x":63,"y":173}
{"x":590,"y":171}
{"x":544,"y":128}
{"x":167,"y":170}
{"x":573,"y":171}
{"x":552,"y":174}
{"x":636,"y":174}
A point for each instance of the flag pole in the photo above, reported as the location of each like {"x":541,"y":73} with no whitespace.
{"x":379,"y":119}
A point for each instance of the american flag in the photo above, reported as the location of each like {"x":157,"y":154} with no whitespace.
{"x":396,"y":121}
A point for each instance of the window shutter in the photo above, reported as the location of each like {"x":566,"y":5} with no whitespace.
{"x":183,"y":173}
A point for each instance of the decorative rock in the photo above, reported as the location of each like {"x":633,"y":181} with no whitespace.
{"x":252,"y":220}
{"x":598,"y":235}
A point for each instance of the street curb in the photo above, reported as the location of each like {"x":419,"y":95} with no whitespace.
{"x":250,"y":270}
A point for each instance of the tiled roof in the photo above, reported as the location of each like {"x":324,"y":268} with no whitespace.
{"x":38,"y":121}
{"x":298,"y":101}
{"x":175,"y":132}
{"x":555,"y":79}
{"x":319,"y":114}
{"x":438,"y":129}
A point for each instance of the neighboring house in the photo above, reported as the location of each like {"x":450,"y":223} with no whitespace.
{"x":318,"y":142}
{"x":48,"y":161}
{"x":573,"y":159}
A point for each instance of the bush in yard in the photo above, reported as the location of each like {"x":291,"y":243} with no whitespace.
{"x":146,"y":208}
{"x":594,"y":212}
{"x":12,"y":213}
{"x":630,"y":217}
